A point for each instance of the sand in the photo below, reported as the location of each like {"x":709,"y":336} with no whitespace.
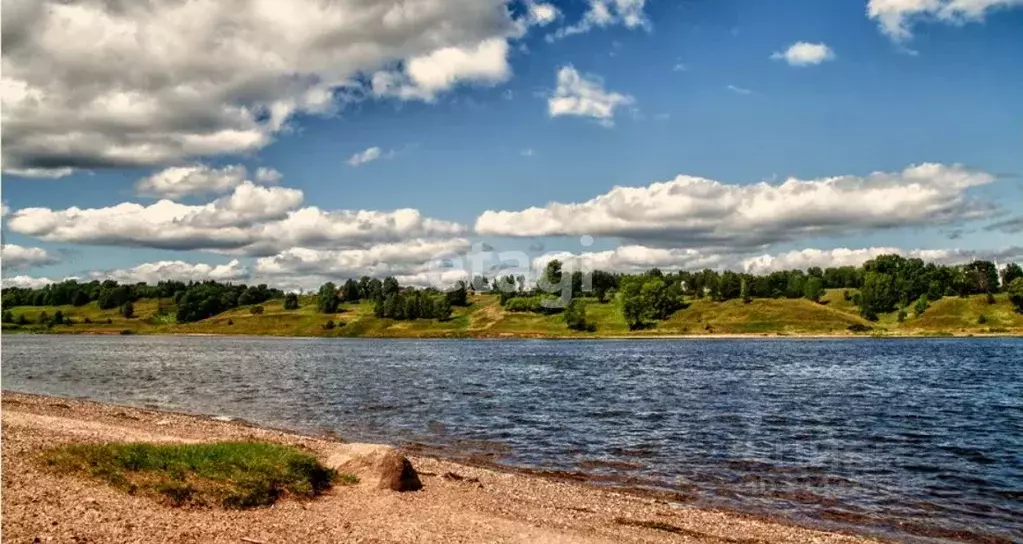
{"x":485,"y":505}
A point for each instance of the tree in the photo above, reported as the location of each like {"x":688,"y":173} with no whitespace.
{"x":813,"y":289}
{"x":8,"y":317}
{"x":744,"y":291}
{"x":351,"y":292}
{"x":633,"y":308}
{"x":459,"y":296}
{"x":291,"y":301}
{"x":921,"y":305}
{"x":575,"y":316}
{"x":1011,"y":272}
{"x":1015,"y":290}
{"x":80,"y":298}
{"x":442,"y":308}
{"x":877,"y":296}
{"x":326,"y":299}
{"x":256,"y":310}
{"x":128,"y":310}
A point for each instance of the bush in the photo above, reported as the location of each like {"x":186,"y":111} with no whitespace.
{"x":110,"y":321}
{"x":1015,"y":291}
{"x":128,"y":310}
{"x":982,"y":319}
{"x":329,"y":325}
{"x":846,"y":296}
{"x":8,"y":317}
{"x":87,"y":321}
{"x":291,"y":301}
{"x":256,"y":310}
{"x":990,"y":298}
{"x":230,"y":322}
{"x":902,"y":316}
{"x":859,"y":327}
{"x":575,"y":317}
{"x":921,"y":305}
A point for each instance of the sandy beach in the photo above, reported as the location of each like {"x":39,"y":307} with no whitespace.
{"x":458,"y":503}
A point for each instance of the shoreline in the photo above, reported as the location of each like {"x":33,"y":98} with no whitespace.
{"x":511,"y":336}
{"x":563,"y":504}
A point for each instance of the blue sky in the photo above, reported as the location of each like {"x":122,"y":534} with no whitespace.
{"x":699,"y":95}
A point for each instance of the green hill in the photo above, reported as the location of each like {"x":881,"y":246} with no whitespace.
{"x":485,"y":317}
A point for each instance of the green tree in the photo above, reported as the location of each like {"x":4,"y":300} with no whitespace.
{"x":291,"y":301}
{"x":128,"y":310}
{"x":1011,"y":272}
{"x":80,"y":298}
{"x":878,"y":295}
{"x":441,"y":308}
{"x":744,"y":291}
{"x":459,"y":296}
{"x":1015,"y":290}
{"x":575,"y":316}
{"x":813,"y":289}
{"x":921,"y":305}
{"x":327,"y":299}
{"x":8,"y":317}
{"x":633,"y":307}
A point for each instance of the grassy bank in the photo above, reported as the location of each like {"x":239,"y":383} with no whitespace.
{"x":485,"y":317}
{"x":229,"y":474}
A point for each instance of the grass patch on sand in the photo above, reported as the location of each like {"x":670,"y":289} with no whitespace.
{"x":228,"y":474}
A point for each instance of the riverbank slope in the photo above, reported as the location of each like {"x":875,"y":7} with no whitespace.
{"x":833,"y":316}
{"x":474,"y":505}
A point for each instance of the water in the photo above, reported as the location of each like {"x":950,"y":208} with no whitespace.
{"x":920,"y":440}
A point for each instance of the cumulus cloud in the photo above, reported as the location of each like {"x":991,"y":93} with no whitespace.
{"x":542,"y":13}
{"x":697,"y":212}
{"x":585,"y":97}
{"x":212,"y":77}
{"x":180,"y":181}
{"x":605,"y":13}
{"x":26,"y":282}
{"x":15,"y":257}
{"x":253,"y":220}
{"x":368,"y":155}
{"x":632,"y":259}
{"x":425,"y":76}
{"x":825,"y":258}
{"x":402,"y":258}
{"x":153,"y":273}
{"x":897,"y":17}
{"x":805,"y":54}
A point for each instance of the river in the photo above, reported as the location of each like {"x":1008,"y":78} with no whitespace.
{"x":914,"y":439}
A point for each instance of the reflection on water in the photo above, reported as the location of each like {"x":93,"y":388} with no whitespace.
{"x":920,"y":437}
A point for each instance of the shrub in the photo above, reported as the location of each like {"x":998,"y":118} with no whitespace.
{"x":902,"y":316}
{"x":110,"y":321}
{"x":991,"y":298}
{"x":21,"y":319}
{"x":859,"y":327}
{"x":87,"y":321}
{"x":982,"y":319}
{"x":8,"y":317}
{"x":256,"y":310}
{"x":230,"y":322}
{"x":1015,"y":291}
{"x":291,"y":301}
{"x":846,"y":296}
{"x":921,"y":305}
{"x":128,"y":310}
{"x":329,"y":325}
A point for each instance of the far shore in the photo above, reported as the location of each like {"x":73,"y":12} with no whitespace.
{"x":459,"y":502}
{"x":535,"y":336}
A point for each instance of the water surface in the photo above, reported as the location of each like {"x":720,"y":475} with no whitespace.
{"x":915,"y":439}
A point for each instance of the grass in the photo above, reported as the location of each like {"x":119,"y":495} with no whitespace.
{"x":486,"y":318}
{"x":228,"y":474}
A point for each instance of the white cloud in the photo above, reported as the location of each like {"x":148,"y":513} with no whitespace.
{"x":805,"y":54}
{"x":605,"y":13}
{"x":584,"y":97}
{"x":180,"y":181}
{"x":825,"y":258}
{"x":739,"y":90}
{"x":897,"y":17}
{"x":632,"y":259}
{"x":153,"y":273}
{"x":253,"y":220}
{"x":212,"y":77}
{"x":680,"y":67}
{"x":527,"y":152}
{"x":50,"y":173}
{"x":368,"y":155}
{"x":425,"y":76}
{"x":26,"y":282}
{"x":541,"y":13}
{"x":15,"y":257}
{"x":697,"y":212}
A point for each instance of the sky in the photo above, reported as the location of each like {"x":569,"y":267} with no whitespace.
{"x":294,"y":143}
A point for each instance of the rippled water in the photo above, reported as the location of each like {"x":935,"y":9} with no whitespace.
{"x":920,"y":439}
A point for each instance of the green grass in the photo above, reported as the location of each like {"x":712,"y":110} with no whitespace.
{"x":486,"y":318}
{"x":228,"y":474}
